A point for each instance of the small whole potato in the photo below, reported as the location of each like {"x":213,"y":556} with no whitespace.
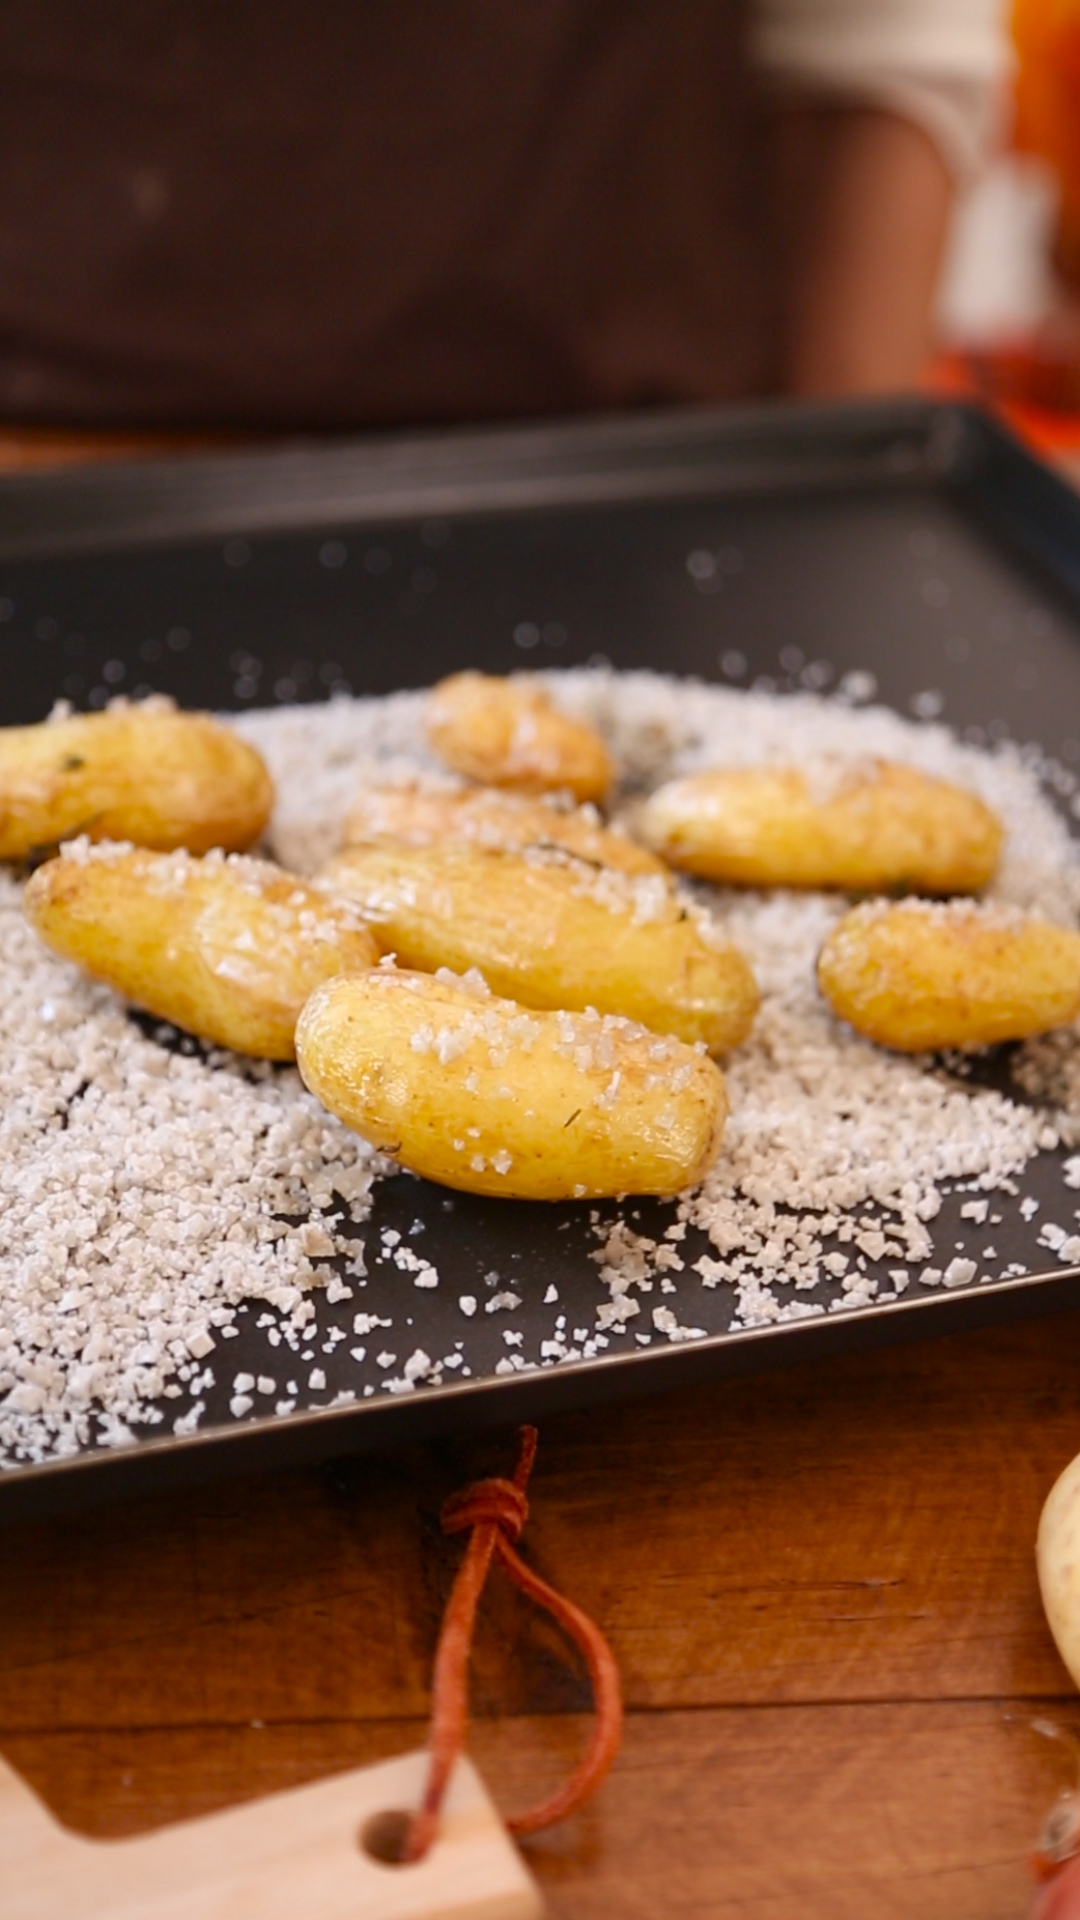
{"x":148,"y":774}
{"x":226,"y":948}
{"x":477,"y":1093}
{"x":426,"y":816}
{"x":864,"y":826}
{"x":924,"y":974}
{"x":509,"y":733}
{"x":1057,"y":1558}
{"x":549,"y":931}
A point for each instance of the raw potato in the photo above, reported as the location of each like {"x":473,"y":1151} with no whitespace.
{"x":149,"y":774}
{"x":1057,"y":1557}
{"x":426,"y":816}
{"x":228,"y":949}
{"x":476,"y":1093}
{"x":864,"y":826}
{"x":549,"y":931}
{"x":921,"y":974}
{"x":507,"y":733}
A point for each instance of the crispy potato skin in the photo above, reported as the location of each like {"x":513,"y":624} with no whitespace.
{"x":479,"y":1094}
{"x":425,"y":816}
{"x":552,"y":932}
{"x":226,"y":949}
{"x":153,"y":776}
{"x":507,"y":734}
{"x":918,"y":976}
{"x":866,"y":827}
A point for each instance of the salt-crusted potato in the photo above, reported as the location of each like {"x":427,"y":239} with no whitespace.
{"x":419,"y":815}
{"x":1057,"y":1557}
{"x":549,"y":931}
{"x":149,"y":774}
{"x":508,"y":733}
{"x":924,"y":974}
{"x":861,"y":825}
{"x":479,"y":1094}
{"x":227,"y":948}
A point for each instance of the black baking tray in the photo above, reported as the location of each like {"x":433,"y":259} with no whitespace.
{"x":912,"y":541}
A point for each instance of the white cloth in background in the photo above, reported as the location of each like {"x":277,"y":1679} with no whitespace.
{"x":944,"y":64}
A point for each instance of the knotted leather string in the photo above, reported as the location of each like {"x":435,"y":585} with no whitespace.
{"x":494,"y":1513}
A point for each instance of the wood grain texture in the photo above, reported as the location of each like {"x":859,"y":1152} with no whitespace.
{"x":918,"y":1812}
{"x":851,"y":1531}
{"x":819,"y":1585}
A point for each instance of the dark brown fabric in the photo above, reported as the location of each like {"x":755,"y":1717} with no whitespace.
{"x":365,"y":212}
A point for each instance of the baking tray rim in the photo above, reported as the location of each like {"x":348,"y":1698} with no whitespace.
{"x":498,"y":1401}
{"x":657,"y":454}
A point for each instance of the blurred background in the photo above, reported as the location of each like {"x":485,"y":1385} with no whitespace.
{"x":1008,"y":308}
{"x":225,"y":222}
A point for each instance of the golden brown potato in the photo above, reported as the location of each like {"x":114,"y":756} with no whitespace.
{"x":921,"y":974}
{"x":507,"y":733}
{"x":425,"y":816}
{"x":548,"y":931}
{"x":148,"y":774}
{"x":863,"y":825}
{"x":228,"y":949}
{"x":476,"y":1093}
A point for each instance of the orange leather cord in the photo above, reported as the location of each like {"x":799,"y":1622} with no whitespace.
{"x":494,"y":1513}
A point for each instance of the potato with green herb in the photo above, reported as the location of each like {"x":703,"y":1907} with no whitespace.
{"x":922,"y":974}
{"x":509,"y":733}
{"x":478,"y":1093}
{"x":550,"y":931}
{"x":423,"y":815}
{"x":865,"y":826}
{"x":226,"y":948}
{"x":148,"y":774}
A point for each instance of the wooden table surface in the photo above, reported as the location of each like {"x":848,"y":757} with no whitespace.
{"x":819,"y":1585}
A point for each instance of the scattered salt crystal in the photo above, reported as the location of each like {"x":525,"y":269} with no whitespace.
{"x":959,"y":1273}
{"x":367,"y":1322}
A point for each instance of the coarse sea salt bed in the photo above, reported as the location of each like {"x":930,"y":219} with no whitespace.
{"x":149,"y":1192}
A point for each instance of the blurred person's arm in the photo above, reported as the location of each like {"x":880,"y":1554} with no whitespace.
{"x":880,"y":108}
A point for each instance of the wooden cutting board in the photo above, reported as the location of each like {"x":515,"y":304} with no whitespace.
{"x":294,"y":1856}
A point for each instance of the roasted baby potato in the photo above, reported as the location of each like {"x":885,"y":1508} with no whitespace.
{"x":861,"y":825}
{"x":227,"y":948}
{"x":476,"y":1093}
{"x":148,"y":774}
{"x":924,"y":974}
{"x":508,"y":733}
{"x":549,"y":931}
{"x":426,"y":816}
